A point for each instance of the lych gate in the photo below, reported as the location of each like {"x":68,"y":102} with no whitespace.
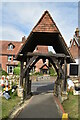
{"x":45,"y":33}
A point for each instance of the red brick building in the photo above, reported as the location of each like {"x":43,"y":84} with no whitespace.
{"x":41,"y":49}
{"x":7,"y":55}
{"x":75,"y":51}
{"x":8,"y":52}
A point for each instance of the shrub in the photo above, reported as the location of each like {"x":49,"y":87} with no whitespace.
{"x":52,"y":71}
{"x":17,"y":71}
{"x":3,"y":72}
{"x":19,"y":64}
{"x":37,"y":73}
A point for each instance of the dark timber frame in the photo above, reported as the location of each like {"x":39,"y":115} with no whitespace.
{"x":44,"y":33}
{"x":31,"y":58}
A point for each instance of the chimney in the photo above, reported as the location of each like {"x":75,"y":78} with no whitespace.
{"x":77,"y":32}
{"x":23,"y":39}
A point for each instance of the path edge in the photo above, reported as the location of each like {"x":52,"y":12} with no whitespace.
{"x":16,"y":110}
{"x":59,"y":105}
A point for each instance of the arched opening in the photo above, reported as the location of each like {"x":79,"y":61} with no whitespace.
{"x":33,"y":58}
{"x":41,"y":83}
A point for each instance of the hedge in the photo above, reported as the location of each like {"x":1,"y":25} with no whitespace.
{"x":16,"y":71}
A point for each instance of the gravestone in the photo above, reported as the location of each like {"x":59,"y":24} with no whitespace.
{"x":6,"y":95}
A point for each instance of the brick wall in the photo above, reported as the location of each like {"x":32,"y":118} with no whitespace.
{"x":74,"y":50}
{"x":4,"y":61}
{"x":41,"y":49}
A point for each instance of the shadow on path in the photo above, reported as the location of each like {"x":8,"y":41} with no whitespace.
{"x":44,"y":89}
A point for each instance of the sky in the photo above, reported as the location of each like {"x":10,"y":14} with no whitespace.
{"x":18,"y":18}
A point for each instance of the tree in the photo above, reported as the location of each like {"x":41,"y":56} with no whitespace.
{"x":17,"y":69}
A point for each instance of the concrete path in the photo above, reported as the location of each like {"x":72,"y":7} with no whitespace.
{"x":42,"y":104}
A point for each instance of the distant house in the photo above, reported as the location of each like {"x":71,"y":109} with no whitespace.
{"x":75,"y":51}
{"x":44,"y":69}
{"x":39,"y":64}
{"x":8,"y":52}
{"x":7,"y":55}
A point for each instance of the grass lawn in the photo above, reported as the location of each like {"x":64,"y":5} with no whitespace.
{"x":8,"y":105}
{"x":72,"y":106}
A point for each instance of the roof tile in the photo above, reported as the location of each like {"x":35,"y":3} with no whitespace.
{"x":4,"y":47}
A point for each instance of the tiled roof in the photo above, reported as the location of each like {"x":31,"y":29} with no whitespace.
{"x":44,"y":67}
{"x":77,"y":39}
{"x":45,"y":24}
{"x":4,"y":47}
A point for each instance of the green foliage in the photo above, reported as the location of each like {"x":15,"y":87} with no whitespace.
{"x":14,"y":93}
{"x":3,"y":72}
{"x":17,"y":71}
{"x":71,"y":106}
{"x":8,"y":105}
{"x":19,"y":64}
{"x":37,"y":73}
{"x":52,"y":72}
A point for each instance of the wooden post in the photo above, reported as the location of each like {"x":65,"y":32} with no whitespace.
{"x":21,"y":70}
{"x":27,"y":77}
{"x":27,"y":81}
{"x":65,"y":74}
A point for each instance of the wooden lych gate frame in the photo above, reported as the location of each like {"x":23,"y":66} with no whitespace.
{"x":33,"y":58}
{"x":44,"y":33}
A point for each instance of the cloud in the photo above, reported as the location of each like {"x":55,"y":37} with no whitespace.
{"x":18,"y":18}
{"x":21,"y":15}
{"x":10,"y":33}
{"x":66,"y":18}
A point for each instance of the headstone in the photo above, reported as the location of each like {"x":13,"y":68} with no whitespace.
{"x":76,"y":92}
{"x":70,"y":83}
{"x":64,"y":96}
{"x":20,"y":92}
{"x":6,"y":95}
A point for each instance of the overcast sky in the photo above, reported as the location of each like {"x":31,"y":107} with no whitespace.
{"x":18,"y":18}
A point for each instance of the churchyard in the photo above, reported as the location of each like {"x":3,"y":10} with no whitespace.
{"x":9,"y":104}
{"x":72,"y":104}
{"x":9,"y":100}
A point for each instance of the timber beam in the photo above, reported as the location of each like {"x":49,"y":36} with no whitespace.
{"x":29,"y":63}
{"x":29,"y":54}
{"x":58,"y":56}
